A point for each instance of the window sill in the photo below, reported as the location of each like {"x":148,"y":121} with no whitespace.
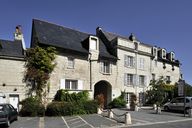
{"x":70,"y":68}
{"x":105,"y":73}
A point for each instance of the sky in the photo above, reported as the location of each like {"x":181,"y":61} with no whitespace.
{"x":164,"y":23}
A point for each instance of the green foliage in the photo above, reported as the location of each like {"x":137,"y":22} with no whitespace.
{"x":64,"y":95}
{"x":159,"y":92}
{"x":32,"y":107}
{"x":39,"y":65}
{"x":71,"y":108}
{"x":118,"y":102}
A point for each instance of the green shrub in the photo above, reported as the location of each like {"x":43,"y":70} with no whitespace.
{"x":31,"y":107}
{"x":71,"y":108}
{"x":90,"y":106}
{"x":118,"y":102}
{"x":64,"y":95}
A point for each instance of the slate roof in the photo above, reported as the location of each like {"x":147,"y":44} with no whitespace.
{"x":11,"y":48}
{"x":111,"y":36}
{"x":62,"y":37}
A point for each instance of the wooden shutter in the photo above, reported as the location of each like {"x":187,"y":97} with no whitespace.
{"x":62,"y":84}
{"x":80,"y":85}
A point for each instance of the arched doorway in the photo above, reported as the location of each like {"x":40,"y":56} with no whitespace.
{"x":103,"y":87}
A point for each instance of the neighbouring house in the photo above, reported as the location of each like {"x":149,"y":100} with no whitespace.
{"x":12,"y":87}
{"x":139,"y":63}
{"x":104,"y":63}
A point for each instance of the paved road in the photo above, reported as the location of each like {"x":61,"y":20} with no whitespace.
{"x":180,"y":124}
{"x":143,"y":118}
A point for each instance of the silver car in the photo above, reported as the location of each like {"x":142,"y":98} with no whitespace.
{"x":178,"y":104}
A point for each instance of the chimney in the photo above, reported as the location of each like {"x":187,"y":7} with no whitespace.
{"x":18,"y":35}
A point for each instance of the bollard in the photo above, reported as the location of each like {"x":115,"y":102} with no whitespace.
{"x":99,"y":111}
{"x":128,"y":106}
{"x":158,"y":110}
{"x":110,"y":114}
{"x":154,"y":107}
{"x":190,"y":113}
{"x":127,"y":118}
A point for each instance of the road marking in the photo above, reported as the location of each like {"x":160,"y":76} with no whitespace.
{"x":161,"y":122}
{"x":86,"y":122}
{"x":41,"y":122}
{"x":73,"y":119}
{"x":65,"y":122}
{"x":80,"y":125}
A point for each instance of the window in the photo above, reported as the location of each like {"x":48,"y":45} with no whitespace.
{"x":168,"y":79}
{"x":71,"y":62}
{"x":105,"y":67}
{"x":129,"y":79}
{"x":128,"y":97}
{"x":128,"y":61}
{"x":93,"y":44}
{"x":154,"y":51}
{"x":71,"y":84}
{"x":163,"y":53}
{"x":141,"y":80}
{"x":142,"y":63}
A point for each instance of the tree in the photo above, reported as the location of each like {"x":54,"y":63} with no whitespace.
{"x":159,"y":92}
{"x":39,"y":65}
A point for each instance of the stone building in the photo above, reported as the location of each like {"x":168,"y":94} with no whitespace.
{"x":12,"y":88}
{"x":104,"y":63}
{"x":139,"y":63}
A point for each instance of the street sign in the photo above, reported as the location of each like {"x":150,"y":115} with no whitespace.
{"x":181,"y":86}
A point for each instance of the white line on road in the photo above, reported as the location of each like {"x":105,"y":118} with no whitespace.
{"x":65,"y":122}
{"x":86,"y":122}
{"x":161,"y":122}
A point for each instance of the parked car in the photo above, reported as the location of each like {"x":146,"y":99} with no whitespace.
{"x":7,"y":114}
{"x":177,"y":104}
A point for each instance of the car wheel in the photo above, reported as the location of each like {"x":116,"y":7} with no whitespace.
{"x":8,"y":123}
{"x":166,"y":108}
{"x":187,"y":110}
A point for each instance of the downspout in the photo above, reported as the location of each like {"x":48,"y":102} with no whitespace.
{"x":90,"y":70}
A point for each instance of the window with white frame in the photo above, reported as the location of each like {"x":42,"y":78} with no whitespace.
{"x":93,"y":44}
{"x":105,"y":67}
{"x":163,"y":53}
{"x":71,"y":62}
{"x":154,"y":52}
{"x":141,"y":63}
{"x":128,"y":61}
{"x":128,"y":97}
{"x":128,"y":79}
{"x":71,"y":84}
{"x":141,"y":80}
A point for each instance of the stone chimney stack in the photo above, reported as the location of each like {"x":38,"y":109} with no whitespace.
{"x":18,"y":35}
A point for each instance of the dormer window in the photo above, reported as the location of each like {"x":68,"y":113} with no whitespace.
{"x":154,"y":51}
{"x":163,"y":53}
{"x":172,"y":56}
{"x":93,"y":43}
